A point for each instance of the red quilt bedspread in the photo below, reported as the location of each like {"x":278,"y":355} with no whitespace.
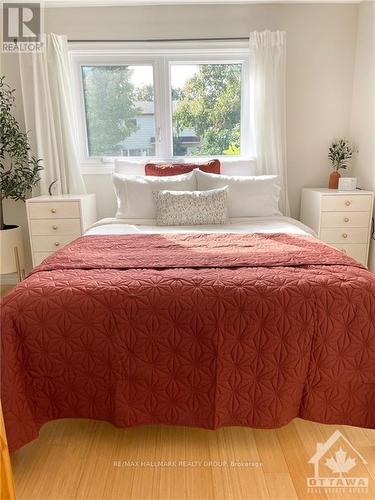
{"x":202,"y":330}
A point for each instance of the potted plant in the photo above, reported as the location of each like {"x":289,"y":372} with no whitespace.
{"x":19,"y":172}
{"x":339,"y":153}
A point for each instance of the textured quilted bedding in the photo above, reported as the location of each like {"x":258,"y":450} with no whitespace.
{"x":203,"y":330}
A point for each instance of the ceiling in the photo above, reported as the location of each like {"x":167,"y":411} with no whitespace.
{"x":112,"y":3}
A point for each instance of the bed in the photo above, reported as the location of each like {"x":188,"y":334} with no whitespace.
{"x":251,"y":323}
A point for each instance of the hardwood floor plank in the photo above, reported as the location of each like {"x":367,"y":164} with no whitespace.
{"x":236,"y":447}
{"x":270,"y":451}
{"x":360,"y":437}
{"x":368,"y":453}
{"x":122,"y":464}
{"x":310,"y":433}
{"x":199,"y":481}
{"x":280,"y":486}
{"x":296,"y":458}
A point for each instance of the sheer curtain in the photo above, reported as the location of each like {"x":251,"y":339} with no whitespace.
{"x":49,"y":114}
{"x":267,"y":62}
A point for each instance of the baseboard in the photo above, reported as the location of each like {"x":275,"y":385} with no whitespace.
{"x":8,"y":279}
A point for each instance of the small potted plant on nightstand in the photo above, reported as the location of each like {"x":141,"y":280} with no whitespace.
{"x":19,"y":172}
{"x":339,"y":153}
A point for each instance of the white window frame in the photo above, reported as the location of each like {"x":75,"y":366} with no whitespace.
{"x":161,"y":55}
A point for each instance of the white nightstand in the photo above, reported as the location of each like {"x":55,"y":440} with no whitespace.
{"x":54,"y":221}
{"x":340,"y":218}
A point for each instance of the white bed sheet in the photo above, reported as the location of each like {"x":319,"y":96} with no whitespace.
{"x":271,"y":224}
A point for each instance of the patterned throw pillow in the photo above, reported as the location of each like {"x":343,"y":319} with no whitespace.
{"x":161,"y":169}
{"x":188,"y":208}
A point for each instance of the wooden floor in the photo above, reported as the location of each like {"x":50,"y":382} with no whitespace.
{"x":82,"y":459}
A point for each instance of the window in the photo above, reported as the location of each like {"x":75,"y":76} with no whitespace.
{"x":206,"y":104}
{"x":119,"y":110}
{"x":161,"y":101}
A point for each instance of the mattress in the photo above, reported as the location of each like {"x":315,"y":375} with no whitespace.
{"x":274,"y":224}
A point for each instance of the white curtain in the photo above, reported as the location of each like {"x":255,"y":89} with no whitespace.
{"x":267,"y":63}
{"x":49,"y":114}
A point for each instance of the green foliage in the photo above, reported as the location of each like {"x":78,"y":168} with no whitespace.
{"x":339,"y":153}
{"x":19,"y":170}
{"x":218,"y":142}
{"x":144,"y":93}
{"x":233,"y":150}
{"x":211,"y":105}
{"x":177,"y":94}
{"x":235,"y":138}
{"x":110,"y":107}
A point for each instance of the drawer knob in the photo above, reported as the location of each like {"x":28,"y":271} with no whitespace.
{"x":344,"y":235}
{"x":348,"y":203}
{"x":55,"y":227}
{"x":53,"y":210}
{"x":346,"y":219}
{"x":57,"y":244}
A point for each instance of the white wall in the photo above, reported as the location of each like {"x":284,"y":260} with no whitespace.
{"x":363,"y":103}
{"x":321,"y":42}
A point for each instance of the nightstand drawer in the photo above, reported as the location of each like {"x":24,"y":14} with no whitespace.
{"x":61,"y":226}
{"x":345,"y":235}
{"x":352,"y":203}
{"x":57,"y":210}
{"x":40,"y":256}
{"x":51,"y":243}
{"x":357,"y":251}
{"x":340,"y":219}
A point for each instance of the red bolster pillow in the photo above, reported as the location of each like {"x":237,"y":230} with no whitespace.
{"x":163,"y":169}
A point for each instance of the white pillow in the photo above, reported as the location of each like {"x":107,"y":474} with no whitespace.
{"x":247,"y":196}
{"x":188,"y":208}
{"x":134,"y":193}
{"x":237,"y":167}
{"x":129,"y":167}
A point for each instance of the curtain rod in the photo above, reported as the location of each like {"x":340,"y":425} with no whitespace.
{"x":164,"y":40}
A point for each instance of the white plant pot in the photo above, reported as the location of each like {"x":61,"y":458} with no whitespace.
{"x":11,"y":246}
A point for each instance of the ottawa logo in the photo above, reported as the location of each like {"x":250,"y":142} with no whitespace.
{"x":333,"y":461}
